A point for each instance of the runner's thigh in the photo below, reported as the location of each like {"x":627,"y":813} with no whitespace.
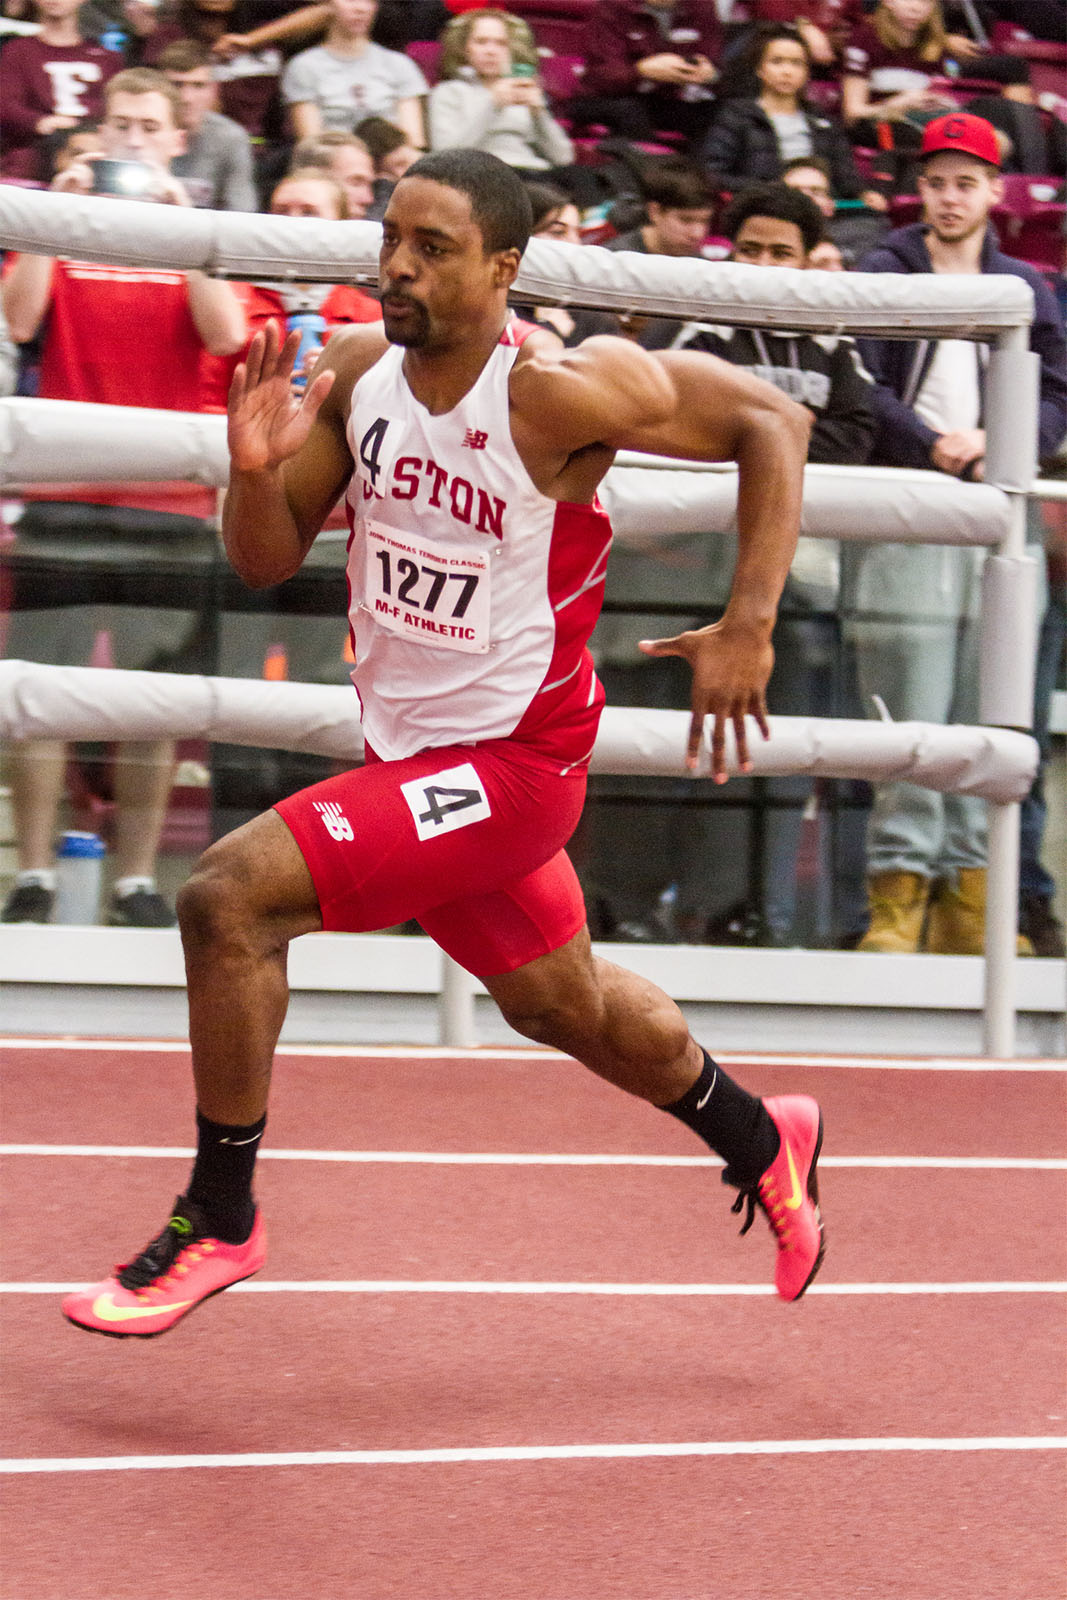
{"x":392,"y":839}
{"x":503,"y":930}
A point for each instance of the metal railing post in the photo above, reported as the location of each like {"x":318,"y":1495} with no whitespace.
{"x":1001,"y":923}
{"x":1009,"y":645}
{"x":455,"y":1012}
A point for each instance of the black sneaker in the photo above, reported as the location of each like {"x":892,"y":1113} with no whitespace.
{"x":28,"y":902}
{"x":144,"y":908}
{"x":1042,"y":927}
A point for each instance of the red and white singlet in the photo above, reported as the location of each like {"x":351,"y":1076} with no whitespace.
{"x":472,"y":594}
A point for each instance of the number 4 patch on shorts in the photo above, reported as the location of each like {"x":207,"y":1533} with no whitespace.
{"x":444,"y":801}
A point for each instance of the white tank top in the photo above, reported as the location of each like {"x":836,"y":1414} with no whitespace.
{"x":472,"y":594}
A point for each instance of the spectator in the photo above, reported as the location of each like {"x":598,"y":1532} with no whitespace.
{"x":338,"y":83}
{"x":390,"y":148}
{"x":1037,"y":887}
{"x":555,"y":216}
{"x":391,"y":154}
{"x":912,"y":610}
{"x":650,"y":67}
{"x":346,"y":157}
{"x":752,"y":140}
{"x":248,"y":78}
{"x":852,"y":230}
{"x":644,"y":840}
{"x":889,"y":66}
{"x":678,"y":206}
{"x":490,"y":98}
{"x":773,"y":225}
{"x":826,"y":257}
{"x":678,"y":210}
{"x":1036,"y":144}
{"x":53,"y":80}
{"x":122,"y":337}
{"x":216,"y":164}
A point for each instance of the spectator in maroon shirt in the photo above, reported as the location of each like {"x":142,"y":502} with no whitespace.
{"x":650,"y":67}
{"x":53,"y":80}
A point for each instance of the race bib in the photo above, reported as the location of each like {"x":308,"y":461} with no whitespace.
{"x":436,"y":597}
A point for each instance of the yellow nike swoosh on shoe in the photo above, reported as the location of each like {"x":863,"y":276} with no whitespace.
{"x":795,"y":1200}
{"x":105,"y":1308}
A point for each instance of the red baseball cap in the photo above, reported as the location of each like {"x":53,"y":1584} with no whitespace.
{"x":970,"y":136}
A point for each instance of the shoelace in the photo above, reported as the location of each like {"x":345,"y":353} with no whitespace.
{"x":158,"y":1257}
{"x":751,"y":1197}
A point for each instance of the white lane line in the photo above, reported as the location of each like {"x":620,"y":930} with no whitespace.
{"x":467,"y":1158}
{"x":535,"y":1452}
{"x":508,"y":1053}
{"x":509,"y":1286}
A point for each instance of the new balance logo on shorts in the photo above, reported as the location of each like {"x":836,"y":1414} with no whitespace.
{"x":336,"y":823}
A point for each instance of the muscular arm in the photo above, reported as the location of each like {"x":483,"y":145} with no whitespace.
{"x":723,"y":413}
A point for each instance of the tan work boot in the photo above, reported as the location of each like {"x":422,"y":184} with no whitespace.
{"x":898,"y":904}
{"x":955,"y":925}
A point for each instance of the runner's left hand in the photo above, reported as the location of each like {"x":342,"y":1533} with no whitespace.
{"x":731,"y":665}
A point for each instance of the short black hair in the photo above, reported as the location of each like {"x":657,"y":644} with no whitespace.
{"x":766,"y":35}
{"x":499,"y":204}
{"x":775,"y":200}
{"x":545,"y":198}
{"x":676,"y":184}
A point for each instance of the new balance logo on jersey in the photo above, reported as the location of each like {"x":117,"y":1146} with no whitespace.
{"x":334,"y":820}
{"x":475,"y":439}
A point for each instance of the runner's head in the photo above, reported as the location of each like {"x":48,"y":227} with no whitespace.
{"x":452,"y":239}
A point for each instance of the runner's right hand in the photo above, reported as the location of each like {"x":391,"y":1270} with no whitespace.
{"x":267,"y":422}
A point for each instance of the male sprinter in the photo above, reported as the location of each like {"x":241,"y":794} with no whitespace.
{"x":476,"y":566}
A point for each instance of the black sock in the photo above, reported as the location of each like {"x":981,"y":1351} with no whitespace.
{"x":733,"y":1122}
{"x":221,"y":1184}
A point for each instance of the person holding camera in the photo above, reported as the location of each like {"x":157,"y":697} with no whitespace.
{"x":118,"y":336}
{"x":490,"y":98}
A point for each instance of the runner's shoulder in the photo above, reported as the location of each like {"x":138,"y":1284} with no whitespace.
{"x":599,"y":376}
{"x":351,"y":352}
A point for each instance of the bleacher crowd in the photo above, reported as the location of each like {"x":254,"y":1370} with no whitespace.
{"x":892,"y":135}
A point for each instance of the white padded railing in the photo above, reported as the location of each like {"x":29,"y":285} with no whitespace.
{"x":993,"y":308}
{"x":62,"y":441}
{"x":40,"y":702}
{"x":246,"y":245}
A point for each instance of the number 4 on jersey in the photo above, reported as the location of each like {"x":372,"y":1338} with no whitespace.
{"x":370,"y":449}
{"x":444,"y":801}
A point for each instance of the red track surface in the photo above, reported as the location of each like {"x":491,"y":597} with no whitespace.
{"x":376,"y":1371}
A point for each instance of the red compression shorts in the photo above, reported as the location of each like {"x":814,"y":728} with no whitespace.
{"x":468,"y":839}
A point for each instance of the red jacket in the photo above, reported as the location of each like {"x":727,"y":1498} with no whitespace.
{"x":623,"y":32}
